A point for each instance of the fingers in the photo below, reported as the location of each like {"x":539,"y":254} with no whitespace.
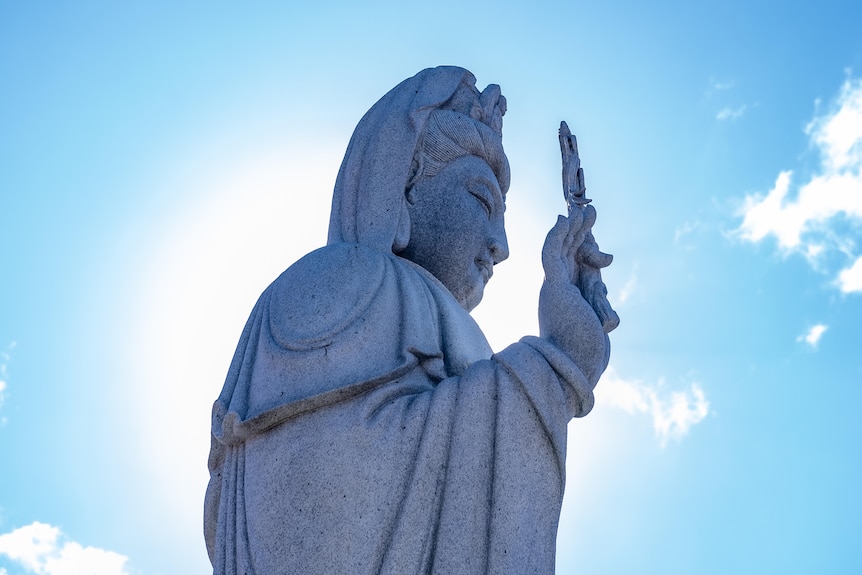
{"x":596,"y":294}
{"x":570,"y":244}
{"x":589,"y":254}
{"x":599,"y":259}
{"x":553,"y":253}
{"x":578,"y":234}
{"x":589,"y":216}
{"x":559,"y":254}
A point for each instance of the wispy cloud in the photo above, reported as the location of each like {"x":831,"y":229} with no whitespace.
{"x":5,"y":356}
{"x":718,"y":94}
{"x":685,"y":236}
{"x":626,"y":291}
{"x":731,"y":114}
{"x":685,"y":229}
{"x":808,"y":220}
{"x":673,"y":412}
{"x":813,"y":335}
{"x":42,"y":549}
{"x":719,"y":86}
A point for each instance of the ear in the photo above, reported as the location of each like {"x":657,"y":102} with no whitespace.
{"x":410,"y":195}
{"x":402,"y":234}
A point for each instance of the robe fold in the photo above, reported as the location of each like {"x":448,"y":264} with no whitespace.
{"x":365,"y":427}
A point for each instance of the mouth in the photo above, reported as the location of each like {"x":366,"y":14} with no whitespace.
{"x":486,"y":268}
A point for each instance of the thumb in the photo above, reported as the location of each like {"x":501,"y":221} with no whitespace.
{"x":553,"y":258}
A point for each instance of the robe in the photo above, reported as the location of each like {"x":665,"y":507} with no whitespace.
{"x":366,"y":427}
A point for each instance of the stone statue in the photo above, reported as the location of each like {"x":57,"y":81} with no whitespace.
{"x":365,"y":425}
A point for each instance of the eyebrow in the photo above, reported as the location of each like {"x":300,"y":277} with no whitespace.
{"x":497,"y":191}
{"x":494,"y":186}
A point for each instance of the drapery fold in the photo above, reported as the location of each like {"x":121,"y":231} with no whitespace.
{"x":411,"y":467}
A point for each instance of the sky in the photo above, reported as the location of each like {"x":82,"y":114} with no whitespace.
{"x":162,"y":162}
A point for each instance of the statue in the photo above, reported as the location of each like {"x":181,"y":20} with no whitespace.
{"x":365,"y":426}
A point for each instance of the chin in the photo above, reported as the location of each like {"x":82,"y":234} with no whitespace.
{"x":468,"y":292}
{"x":472,"y":298}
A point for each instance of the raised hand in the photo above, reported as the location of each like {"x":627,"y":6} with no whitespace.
{"x":589,"y":261}
{"x":573,"y":311}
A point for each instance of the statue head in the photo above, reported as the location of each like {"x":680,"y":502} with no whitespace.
{"x":425,"y":177}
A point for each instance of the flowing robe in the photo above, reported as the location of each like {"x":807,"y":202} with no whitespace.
{"x":365,"y":427}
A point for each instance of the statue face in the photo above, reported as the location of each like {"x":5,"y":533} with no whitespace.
{"x":457,"y":230}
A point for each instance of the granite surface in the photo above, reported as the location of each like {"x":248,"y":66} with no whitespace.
{"x":365,"y":426}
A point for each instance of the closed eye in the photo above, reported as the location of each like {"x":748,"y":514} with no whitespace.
{"x":483,"y":199}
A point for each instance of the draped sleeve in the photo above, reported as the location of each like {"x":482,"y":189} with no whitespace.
{"x":364,"y":406}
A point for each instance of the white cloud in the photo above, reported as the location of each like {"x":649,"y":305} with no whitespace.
{"x":850,"y":279}
{"x":769,"y":215}
{"x":839,"y":134}
{"x":804,"y":217}
{"x":731,"y":114}
{"x":42,"y":549}
{"x":813,"y":335}
{"x":673,"y":412}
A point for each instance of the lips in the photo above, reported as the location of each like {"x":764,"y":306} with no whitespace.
{"x":486,"y":268}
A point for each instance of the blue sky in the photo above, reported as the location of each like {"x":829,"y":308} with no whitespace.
{"x":161,"y":163}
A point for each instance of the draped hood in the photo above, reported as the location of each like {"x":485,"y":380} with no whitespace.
{"x":368,"y":204}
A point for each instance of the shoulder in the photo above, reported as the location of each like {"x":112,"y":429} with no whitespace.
{"x":335,"y":266}
{"x":326,"y":291}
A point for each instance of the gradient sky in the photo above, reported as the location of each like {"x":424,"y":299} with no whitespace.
{"x":162,"y":162}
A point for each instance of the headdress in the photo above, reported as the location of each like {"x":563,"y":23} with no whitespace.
{"x":386,"y":151}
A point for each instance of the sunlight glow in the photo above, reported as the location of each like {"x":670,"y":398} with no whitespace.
{"x":197,"y":286}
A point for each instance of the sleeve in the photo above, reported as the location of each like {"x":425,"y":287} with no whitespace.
{"x":336,"y":324}
{"x":489,"y":470}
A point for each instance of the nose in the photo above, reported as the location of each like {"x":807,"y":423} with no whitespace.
{"x":498,"y":244}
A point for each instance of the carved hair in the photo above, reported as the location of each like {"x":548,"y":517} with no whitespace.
{"x":451,"y":133}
